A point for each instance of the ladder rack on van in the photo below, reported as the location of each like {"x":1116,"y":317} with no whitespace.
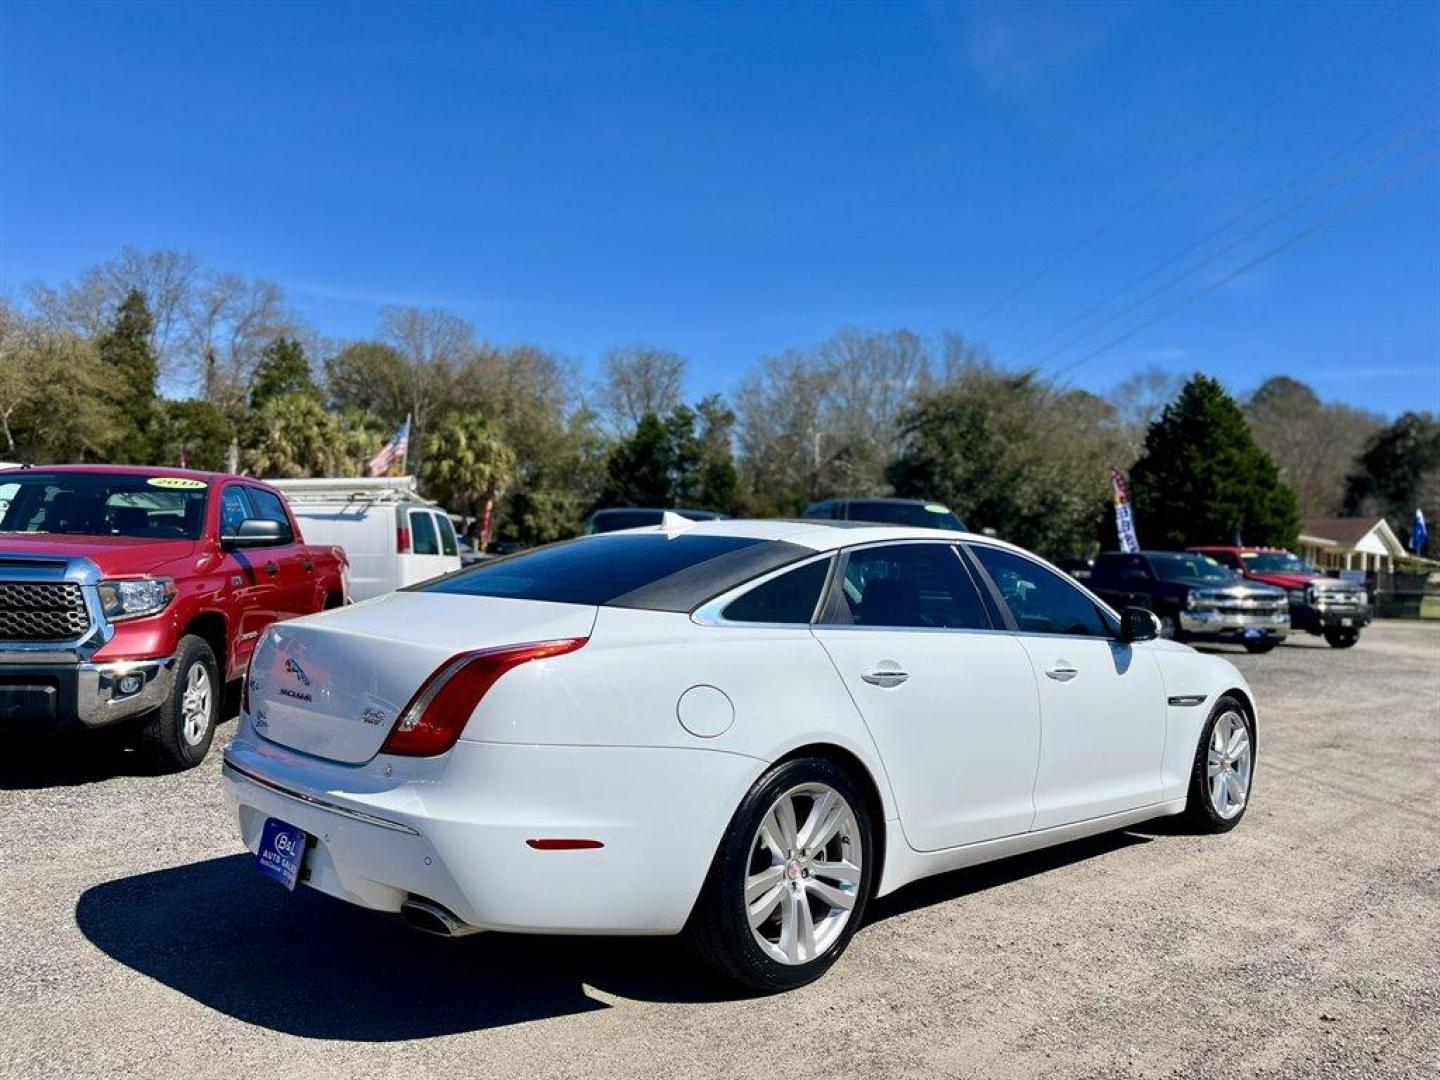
{"x":352,"y":489}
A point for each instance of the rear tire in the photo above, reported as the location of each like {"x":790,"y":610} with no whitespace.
{"x":178,"y":734}
{"x":807,"y":898}
{"x":1224,"y":769}
{"x":1342,"y":638}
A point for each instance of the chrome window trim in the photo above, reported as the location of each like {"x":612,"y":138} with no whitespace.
{"x":1068,"y":580}
{"x":710,"y":612}
{"x":952,"y":544}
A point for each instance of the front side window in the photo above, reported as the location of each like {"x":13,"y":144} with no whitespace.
{"x":234,"y":508}
{"x":921,"y":586}
{"x":268,"y":507}
{"x":1040,"y":600}
{"x":423,"y":540}
{"x":787,"y":598}
{"x":105,"y":504}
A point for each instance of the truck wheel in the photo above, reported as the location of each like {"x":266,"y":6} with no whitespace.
{"x":1342,"y":638}
{"x":178,"y":734}
{"x":1170,"y":628}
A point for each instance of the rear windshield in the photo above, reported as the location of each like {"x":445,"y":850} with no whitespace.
{"x":101,"y":504}
{"x":649,"y":570}
{"x":923,"y":515}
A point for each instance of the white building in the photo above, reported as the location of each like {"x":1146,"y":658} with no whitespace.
{"x":1367,"y":544}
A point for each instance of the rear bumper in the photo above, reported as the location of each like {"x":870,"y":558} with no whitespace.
{"x":453,"y":830}
{"x":74,"y":696}
{"x":1222,"y":626}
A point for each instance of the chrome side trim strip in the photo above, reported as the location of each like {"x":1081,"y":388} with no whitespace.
{"x":310,"y":800}
{"x":1187,"y":699}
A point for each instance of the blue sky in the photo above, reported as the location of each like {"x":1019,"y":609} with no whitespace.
{"x":733,"y":180}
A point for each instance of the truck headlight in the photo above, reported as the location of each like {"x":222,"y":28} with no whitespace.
{"x":135,"y":597}
{"x":1362,"y":598}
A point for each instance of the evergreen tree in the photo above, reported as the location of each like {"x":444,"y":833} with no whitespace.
{"x":131,"y":367}
{"x":638,"y":470}
{"x":668,"y":463}
{"x":1203,"y":480}
{"x":283,"y":369}
{"x":1400,"y":473}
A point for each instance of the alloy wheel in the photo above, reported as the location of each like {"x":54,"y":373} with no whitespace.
{"x":195,"y":705}
{"x":1228,"y":765}
{"x":804,"y":873}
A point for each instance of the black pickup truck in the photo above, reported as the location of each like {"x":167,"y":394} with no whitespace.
{"x":1195,"y":597}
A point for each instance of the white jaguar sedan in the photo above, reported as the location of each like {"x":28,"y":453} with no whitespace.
{"x":742,"y":730}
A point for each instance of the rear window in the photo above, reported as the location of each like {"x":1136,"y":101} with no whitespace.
{"x":447,"y":534}
{"x":422,"y":533}
{"x":920,"y":515}
{"x":647,"y":570}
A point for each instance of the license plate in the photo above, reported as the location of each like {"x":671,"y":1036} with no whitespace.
{"x":282,"y":850}
{"x":1347,"y":622}
{"x":1253,"y":634}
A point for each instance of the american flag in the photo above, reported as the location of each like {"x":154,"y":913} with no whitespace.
{"x":393,"y":451}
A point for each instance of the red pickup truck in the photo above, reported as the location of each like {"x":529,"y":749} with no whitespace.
{"x":137,"y":594}
{"x":1319,"y":605}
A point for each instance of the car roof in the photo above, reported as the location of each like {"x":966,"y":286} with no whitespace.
{"x":819,"y":534}
{"x":135,"y":470}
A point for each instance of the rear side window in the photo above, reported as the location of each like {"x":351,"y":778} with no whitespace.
{"x":923,"y":586}
{"x":423,"y":540}
{"x":788,"y":598}
{"x":643,"y":570}
{"x":447,"y":534}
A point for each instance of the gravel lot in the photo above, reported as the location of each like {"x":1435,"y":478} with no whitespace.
{"x":134,"y":940}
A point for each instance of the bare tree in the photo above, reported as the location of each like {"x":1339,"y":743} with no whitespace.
{"x":433,"y":344}
{"x":230,"y":320}
{"x":86,"y":306}
{"x":1141,"y":398}
{"x":638,"y":380}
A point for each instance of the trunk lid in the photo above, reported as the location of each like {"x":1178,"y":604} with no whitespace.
{"x":333,"y":685}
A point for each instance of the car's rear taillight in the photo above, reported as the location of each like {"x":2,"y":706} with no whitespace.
{"x":435,"y":716}
{"x":402,"y":541}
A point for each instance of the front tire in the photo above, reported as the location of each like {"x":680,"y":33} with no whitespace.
{"x":791,"y":878}
{"x":1224,"y":769}
{"x":1342,"y":637}
{"x":178,"y":734}
{"x":1170,"y":628}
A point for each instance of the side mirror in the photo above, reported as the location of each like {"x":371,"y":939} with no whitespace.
{"x":1138,"y":624}
{"x":254,"y":532}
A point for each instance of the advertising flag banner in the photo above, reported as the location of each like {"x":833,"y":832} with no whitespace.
{"x":1419,"y":534}
{"x":1124,"y":516}
{"x":394,"y":451}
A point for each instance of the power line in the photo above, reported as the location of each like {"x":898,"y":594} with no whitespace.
{"x":1369,"y":163}
{"x":1265,"y":256}
{"x":1294,"y":181}
{"x":1349,"y":48}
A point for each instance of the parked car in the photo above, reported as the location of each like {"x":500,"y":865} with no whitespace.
{"x":1195,"y":597}
{"x":742,"y":730}
{"x":917,"y":513}
{"x":1319,"y":605}
{"x":1079,"y":569}
{"x":136,"y":595}
{"x":614,"y":518}
{"x":392,"y":536}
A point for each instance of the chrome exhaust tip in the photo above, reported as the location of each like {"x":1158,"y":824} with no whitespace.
{"x":430,"y":918}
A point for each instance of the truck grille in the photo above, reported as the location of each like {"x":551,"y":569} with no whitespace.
{"x":42,"y":611}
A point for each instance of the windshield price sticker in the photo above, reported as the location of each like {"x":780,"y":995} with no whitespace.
{"x":177,"y":483}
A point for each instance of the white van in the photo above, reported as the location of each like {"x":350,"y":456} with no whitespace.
{"x":392,"y":536}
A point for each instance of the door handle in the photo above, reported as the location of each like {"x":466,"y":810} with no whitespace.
{"x":1062,"y":673}
{"x":885,"y":677}
{"x":271,"y":569}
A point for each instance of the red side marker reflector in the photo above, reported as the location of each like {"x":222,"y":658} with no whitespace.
{"x":550,"y":843}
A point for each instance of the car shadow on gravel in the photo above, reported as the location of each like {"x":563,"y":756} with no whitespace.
{"x":47,"y":761}
{"x":308,"y":965}
{"x":974,"y":879}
